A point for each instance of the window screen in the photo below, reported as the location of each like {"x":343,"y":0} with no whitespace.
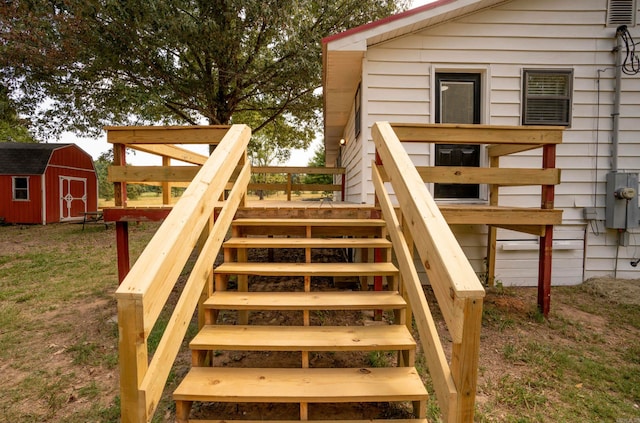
{"x":547,"y":97}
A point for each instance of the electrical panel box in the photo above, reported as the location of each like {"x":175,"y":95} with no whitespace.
{"x":622,"y":210}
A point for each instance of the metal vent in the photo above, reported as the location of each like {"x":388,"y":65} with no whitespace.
{"x":621,"y":12}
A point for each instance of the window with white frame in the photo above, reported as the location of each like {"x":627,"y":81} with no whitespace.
{"x":547,"y":97}
{"x":20,"y":188}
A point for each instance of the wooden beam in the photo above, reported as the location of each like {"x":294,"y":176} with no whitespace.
{"x":133,"y":174}
{"x":447,"y":267}
{"x":299,"y":170}
{"x":139,"y":214}
{"x":212,"y":134}
{"x":546,"y":241}
{"x":171,"y":151}
{"x":472,"y":214}
{"x":478,"y":134}
{"x":505,"y":149}
{"x":443,"y":382}
{"x":487,"y":175}
{"x":537,"y":230}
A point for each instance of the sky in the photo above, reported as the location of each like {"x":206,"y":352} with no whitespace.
{"x":95,"y":147}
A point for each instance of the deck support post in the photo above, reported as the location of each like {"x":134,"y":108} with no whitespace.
{"x":122,"y":246}
{"x":492,"y":240}
{"x":546,"y":241}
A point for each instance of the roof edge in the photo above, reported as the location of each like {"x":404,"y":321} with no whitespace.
{"x":383,"y":21}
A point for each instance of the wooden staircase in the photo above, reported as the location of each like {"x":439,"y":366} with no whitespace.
{"x":305,"y":384}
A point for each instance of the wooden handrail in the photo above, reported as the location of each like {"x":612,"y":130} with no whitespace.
{"x":458,"y":291}
{"x":144,"y":292}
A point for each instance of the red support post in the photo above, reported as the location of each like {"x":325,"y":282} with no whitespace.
{"x":122,"y":244}
{"x":546,"y":241}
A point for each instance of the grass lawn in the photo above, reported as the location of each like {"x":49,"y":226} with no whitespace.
{"x":58,"y":338}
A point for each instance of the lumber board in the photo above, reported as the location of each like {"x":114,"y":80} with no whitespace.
{"x":472,"y":214}
{"x":318,"y":385}
{"x":477,"y":134}
{"x":195,"y":134}
{"x":484,"y":175}
{"x":300,"y":170}
{"x":308,"y":222}
{"x":314,"y":421}
{"x":133,"y":174}
{"x":308,"y":269}
{"x":303,"y":338}
{"x":282,"y":242}
{"x":326,"y":300}
{"x":500,"y":150}
{"x":443,"y":382}
{"x":171,"y":151}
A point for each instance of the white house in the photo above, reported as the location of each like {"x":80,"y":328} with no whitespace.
{"x":497,"y":62}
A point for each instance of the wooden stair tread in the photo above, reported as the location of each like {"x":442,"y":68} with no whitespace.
{"x":315,"y":385}
{"x":308,"y":269}
{"x":308,"y":222}
{"x":313,"y":421}
{"x":307,"y":243}
{"x":326,"y":300}
{"x":303,"y":338}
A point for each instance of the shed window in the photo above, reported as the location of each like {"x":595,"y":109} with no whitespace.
{"x":20,"y":188}
{"x":547,"y":97}
{"x":621,"y":12}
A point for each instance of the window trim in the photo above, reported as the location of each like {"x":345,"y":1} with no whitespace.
{"x":569,"y":97}
{"x":15,"y":189}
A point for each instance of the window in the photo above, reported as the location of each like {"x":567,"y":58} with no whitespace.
{"x":20,"y":188}
{"x":621,"y":12}
{"x":457,"y":101}
{"x":547,"y":97}
{"x":358,"y":115}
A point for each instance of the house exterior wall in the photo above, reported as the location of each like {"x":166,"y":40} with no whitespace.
{"x":499,"y":43}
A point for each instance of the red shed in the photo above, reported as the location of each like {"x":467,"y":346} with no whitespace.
{"x":46,"y":183}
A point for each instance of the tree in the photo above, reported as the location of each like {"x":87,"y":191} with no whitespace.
{"x":12,"y":128}
{"x":106,"y":62}
{"x":318,"y":160}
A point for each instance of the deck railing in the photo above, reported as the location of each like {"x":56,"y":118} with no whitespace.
{"x":458,"y":291}
{"x":294,"y":180}
{"x":145,"y":290}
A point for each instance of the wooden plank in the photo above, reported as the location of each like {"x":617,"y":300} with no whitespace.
{"x":307,"y":243}
{"x":139,"y":214}
{"x":134,"y":174}
{"x":483,"y":175}
{"x":314,"y":421}
{"x":300,"y":170}
{"x":151,"y":279}
{"x":317,"y":385}
{"x":155,"y":378}
{"x":327,"y":300}
{"x":499,"y":150}
{"x":171,"y":151}
{"x":443,"y":382}
{"x":309,"y":222}
{"x":303,"y":338}
{"x":308,"y":269}
{"x":294,"y":187}
{"x":211,"y":134}
{"x":465,"y":356}
{"x":499,"y":215}
{"x":447,"y":267}
{"x":538,"y":230}
{"x":477,"y":134}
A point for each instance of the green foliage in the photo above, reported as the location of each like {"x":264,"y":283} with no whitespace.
{"x":81,"y":64}
{"x":318,"y":160}
{"x":12,"y":128}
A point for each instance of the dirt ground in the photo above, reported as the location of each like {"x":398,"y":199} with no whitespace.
{"x":63,"y":365}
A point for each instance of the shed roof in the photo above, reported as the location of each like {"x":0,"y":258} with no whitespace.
{"x":17,"y":158}
{"x":342,"y":56}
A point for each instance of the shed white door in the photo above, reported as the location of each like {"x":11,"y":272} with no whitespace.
{"x":73,"y":198}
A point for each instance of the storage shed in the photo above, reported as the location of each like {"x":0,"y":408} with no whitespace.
{"x":46,"y":183}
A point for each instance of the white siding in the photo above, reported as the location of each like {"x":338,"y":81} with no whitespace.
{"x":500,"y":42}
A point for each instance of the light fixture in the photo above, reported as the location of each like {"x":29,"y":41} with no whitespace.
{"x":343,"y":142}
